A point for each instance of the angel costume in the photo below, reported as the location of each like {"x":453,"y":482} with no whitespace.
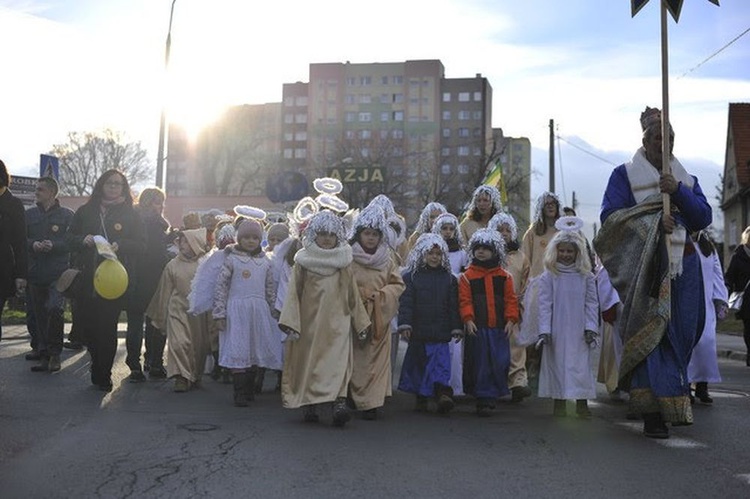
{"x":187,"y":335}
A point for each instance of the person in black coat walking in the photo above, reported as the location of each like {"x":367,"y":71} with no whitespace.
{"x":737,"y":278}
{"x":13,"y":258}
{"x":108,"y":213}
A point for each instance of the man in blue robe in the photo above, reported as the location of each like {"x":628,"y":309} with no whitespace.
{"x":654,"y":266}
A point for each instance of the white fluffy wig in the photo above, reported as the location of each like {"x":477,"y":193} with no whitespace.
{"x":569,"y":232}
{"x":324,"y":221}
{"x":503,"y":218}
{"x":416,"y":258}
{"x":423,"y":224}
{"x":491,"y":238}
{"x":448,"y":219}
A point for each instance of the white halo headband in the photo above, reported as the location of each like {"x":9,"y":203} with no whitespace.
{"x":569,"y":223}
{"x":306,"y":208}
{"x":328,"y":185}
{"x":332,"y":202}
{"x":250,"y":212}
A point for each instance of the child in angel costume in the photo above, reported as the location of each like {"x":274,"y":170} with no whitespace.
{"x":322,"y":312}
{"x":489,"y":311}
{"x":568,"y":310}
{"x":447,"y":226}
{"x":380,"y":285}
{"x":517,"y":266}
{"x":428,"y":319}
{"x":187,"y":335}
{"x":426,"y":220}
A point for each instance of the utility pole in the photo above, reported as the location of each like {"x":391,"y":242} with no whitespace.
{"x":163,"y":119}
{"x":552,"y":156}
{"x":574,"y":204}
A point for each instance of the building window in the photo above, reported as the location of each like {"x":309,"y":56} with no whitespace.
{"x":476,"y":151}
{"x":288,"y":118}
{"x":446,"y":115}
{"x":477,"y":96}
{"x":463,"y":169}
{"x":288,"y":153}
{"x":463,"y":132}
{"x":463,"y":96}
{"x":446,"y":132}
{"x":349,"y":99}
{"x":300,"y":118}
{"x":365,"y":117}
{"x":365,"y":152}
{"x":365,"y":80}
{"x":365,"y":134}
{"x":398,"y":80}
{"x":288,"y":101}
{"x":398,"y":152}
{"x":446,"y":96}
{"x":383,"y":134}
{"x":464,"y":115}
{"x":384,"y":80}
{"x":350,"y":117}
{"x":384,"y":116}
{"x":301,"y":100}
{"x":398,"y":116}
{"x":288,"y":136}
{"x":300,"y":153}
{"x":385,"y":98}
{"x":398,"y":98}
{"x":463,"y":150}
{"x":365,"y":99}
{"x":397,"y":133}
{"x":477,"y":132}
{"x":351,"y":81}
{"x":413,"y":82}
{"x":349,"y":134}
{"x":445,"y":151}
{"x":300,"y":136}
{"x":425,"y":82}
{"x":414,"y":100}
{"x":477,"y":115}
{"x":445,"y":168}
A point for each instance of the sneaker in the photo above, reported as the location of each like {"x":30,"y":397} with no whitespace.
{"x":518,"y":393}
{"x":33,"y":355}
{"x":445,"y":404}
{"x":157,"y":372}
{"x":181,"y":384}
{"x":72,"y":345}
{"x":54,"y":363}
{"x":340,"y":412}
{"x":136,"y":377}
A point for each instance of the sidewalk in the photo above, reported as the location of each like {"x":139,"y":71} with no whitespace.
{"x":728,"y":345}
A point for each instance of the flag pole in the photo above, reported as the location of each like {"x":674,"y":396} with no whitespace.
{"x":665,"y":156}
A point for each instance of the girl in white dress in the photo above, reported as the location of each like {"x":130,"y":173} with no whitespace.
{"x":245,"y":296}
{"x":568,"y":320}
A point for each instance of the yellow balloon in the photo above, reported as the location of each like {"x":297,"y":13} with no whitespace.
{"x":110,"y":279}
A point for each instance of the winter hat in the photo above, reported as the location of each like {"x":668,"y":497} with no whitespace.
{"x":324,"y":221}
{"x":191,"y":221}
{"x":500,"y":219}
{"x":489,"y":238}
{"x":249,"y":227}
{"x":416,"y":258}
{"x":279,"y":230}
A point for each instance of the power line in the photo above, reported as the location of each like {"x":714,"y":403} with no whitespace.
{"x":586,"y":151}
{"x":562,"y":177}
{"x":714,"y":54}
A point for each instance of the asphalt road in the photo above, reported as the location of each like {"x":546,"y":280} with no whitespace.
{"x":60,"y":437}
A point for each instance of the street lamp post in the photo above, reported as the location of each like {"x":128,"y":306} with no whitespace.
{"x":163,"y":119}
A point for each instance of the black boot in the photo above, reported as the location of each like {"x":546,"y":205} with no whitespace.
{"x":216,"y":371}
{"x":250,"y":384}
{"x":240,"y":389}
{"x":582,"y":409}
{"x":340,"y":412}
{"x":701,"y":393}
{"x":444,"y":399}
{"x":654,"y":426}
{"x":259,"y":378}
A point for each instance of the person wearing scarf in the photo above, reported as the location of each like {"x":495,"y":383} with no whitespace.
{"x":654,"y":266}
{"x":322,"y":313}
{"x":108,"y":213}
{"x":380,"y":285}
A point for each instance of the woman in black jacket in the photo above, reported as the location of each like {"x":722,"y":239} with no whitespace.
{"x":108,"y":213}
{"x":736,"y":278}
{"x":13,"y":266}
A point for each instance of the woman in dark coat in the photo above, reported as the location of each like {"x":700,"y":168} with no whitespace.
{"x":147,"y":272}
{"x":13,"y":263}
{"x":108,"y":213}
{"x":737,"y":277}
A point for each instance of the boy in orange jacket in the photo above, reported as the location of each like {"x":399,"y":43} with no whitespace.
{"x":489,"y":310}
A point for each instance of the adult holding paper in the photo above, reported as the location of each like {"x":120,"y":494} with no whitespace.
{"x":108,"y":213}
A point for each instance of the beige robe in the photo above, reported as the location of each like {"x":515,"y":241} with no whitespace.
{"x":371,"y":376}
{"x":187,"y":335}
{"x":518,"y":267}
{"x":468,"y":227}
{"x":534,"y":246}
{"x":327,"y":312}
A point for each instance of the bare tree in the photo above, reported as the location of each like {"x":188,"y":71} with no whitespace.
{"x":86,"y":155}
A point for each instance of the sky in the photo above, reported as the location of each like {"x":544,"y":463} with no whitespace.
{"x":89,"y":64}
